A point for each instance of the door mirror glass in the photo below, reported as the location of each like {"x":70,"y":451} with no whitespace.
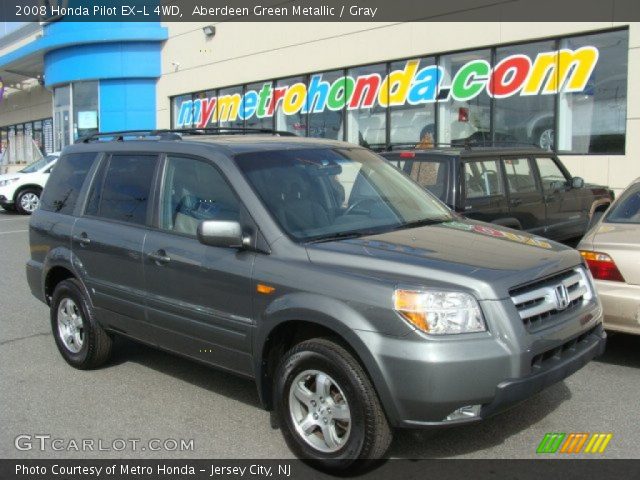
{"x":221,"y":233}
{"x":577,"y":182}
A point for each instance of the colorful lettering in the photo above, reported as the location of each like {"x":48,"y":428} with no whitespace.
{"x":549,"y":73}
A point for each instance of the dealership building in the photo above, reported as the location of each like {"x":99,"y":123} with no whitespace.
{"x":565,"y":87}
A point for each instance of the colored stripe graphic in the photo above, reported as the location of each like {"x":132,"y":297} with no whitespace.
{"x":573,"y":443}
{"x":550,"y":443}
{"x":598,"y":443}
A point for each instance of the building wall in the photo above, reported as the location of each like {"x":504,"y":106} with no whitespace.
{"x":247,"y":52}
{"x":33,"y":103}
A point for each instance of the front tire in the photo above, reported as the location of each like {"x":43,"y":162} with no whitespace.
{"x":28,"y":201}
{"x":80,"y":339}
{"x":327,"y":408}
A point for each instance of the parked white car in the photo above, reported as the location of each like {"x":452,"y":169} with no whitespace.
{"x":20,"y":191}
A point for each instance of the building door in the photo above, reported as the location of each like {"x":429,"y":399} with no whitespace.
{"x":61,"y":117}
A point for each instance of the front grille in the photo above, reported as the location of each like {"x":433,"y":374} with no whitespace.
{"x":540,"y":302}
{"x":569,"y":348}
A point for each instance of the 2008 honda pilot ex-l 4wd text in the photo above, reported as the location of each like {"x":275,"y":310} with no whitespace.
{"x":356,"y":300}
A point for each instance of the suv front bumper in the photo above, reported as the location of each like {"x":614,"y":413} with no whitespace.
{"x":423,"y":381}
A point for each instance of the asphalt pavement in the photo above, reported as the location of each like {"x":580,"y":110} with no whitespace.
{"x":155,"y":400}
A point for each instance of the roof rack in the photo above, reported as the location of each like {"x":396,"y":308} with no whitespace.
{"x":466,"y":144}
{"x":177,"y":133}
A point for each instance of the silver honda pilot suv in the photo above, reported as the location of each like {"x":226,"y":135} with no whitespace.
{"x":356,"y":300}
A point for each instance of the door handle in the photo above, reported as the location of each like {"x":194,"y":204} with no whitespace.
{"x":160,"y":256}
{"x":515,"y":202}
{"x":83,"y":239}
{"x":549,"y":198}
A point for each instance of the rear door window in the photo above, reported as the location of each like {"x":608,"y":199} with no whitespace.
{"x":520,"y":175}
{"x":122,"y":191}
{"x":65,"y":183}
{"x":482,"y":179}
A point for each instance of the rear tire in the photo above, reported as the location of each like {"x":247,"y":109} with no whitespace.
{"x":80,"y":339}
{"x":28,"y":201}
{"x":327,"y":408}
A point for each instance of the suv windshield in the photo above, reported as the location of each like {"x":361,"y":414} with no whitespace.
{"x":38,"y":164}
{"x":322,"y":194}
{"x":627,"y":209}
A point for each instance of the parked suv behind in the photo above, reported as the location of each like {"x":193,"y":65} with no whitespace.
{"x":356,"y":300}
{"x":20,"y":191}
{"x":525,"y":189}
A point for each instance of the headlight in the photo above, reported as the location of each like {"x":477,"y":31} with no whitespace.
{"x":439,"y":312}
{"x":4,"y":183}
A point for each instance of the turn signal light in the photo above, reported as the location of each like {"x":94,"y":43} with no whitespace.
{"x":602,"y":266}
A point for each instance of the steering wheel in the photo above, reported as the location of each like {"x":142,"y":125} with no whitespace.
{"x":351,"y":208}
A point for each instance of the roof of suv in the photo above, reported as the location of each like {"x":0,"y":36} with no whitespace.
{"x":252,"y":143}
{"x":233,"y":140}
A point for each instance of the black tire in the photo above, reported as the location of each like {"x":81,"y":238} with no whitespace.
{"x":370,"y":434}
{"x":21,"y":195}
{"x":96,"y":344}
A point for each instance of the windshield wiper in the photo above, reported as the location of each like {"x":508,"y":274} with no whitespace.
{"x":422,"y":223}
{"x":340,"y":236}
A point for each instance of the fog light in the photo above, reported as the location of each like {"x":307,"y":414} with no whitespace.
{"x":470,"y":411}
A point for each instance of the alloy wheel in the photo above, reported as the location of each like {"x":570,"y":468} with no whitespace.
{"x":319,"y":411}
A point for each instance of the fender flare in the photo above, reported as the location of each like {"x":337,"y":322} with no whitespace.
{"x":326,"y":313}
{"x":63,"y":257}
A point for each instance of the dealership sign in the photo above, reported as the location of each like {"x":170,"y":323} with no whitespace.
{"x":1,"y":89}
{"x":550,"y":72}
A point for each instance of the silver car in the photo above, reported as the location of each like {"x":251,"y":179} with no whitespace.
{"x":611,"y":248}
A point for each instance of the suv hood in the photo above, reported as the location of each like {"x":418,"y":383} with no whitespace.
{"x":487,"y":259}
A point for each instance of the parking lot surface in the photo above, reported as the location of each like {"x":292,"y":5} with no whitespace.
{"x":143,"y":395}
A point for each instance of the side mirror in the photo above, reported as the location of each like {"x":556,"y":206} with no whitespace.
{"x":222,"y":233}
{"x":577,"y":182}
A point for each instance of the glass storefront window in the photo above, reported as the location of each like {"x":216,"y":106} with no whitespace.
{"x":327,"y":90}
{"x":228,"y":107}
{"x":465,"y":116}
{"x":287,"y":103}
{"x":182,"y":111}
{"x":563,"y":94}
{"x":522,"y":119}
{"x":255,"y":105}
{"x":367,"y":119}
{"x":85,"y":109}
{"x":414,"y":121}
{"x":593,"y":119}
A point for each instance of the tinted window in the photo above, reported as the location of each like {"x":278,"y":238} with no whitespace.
{"x":520,"y":176}
{"x":550,"y":174}
{"x":482,"y":179}
{"x":430,"y":175}
{"x":194,"y":191}
{"x":627,"y":209}
{"x":66,"y":181}
{"x":122,"y":192}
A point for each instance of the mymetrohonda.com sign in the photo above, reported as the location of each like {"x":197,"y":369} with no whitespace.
{"x":562,"y":70}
